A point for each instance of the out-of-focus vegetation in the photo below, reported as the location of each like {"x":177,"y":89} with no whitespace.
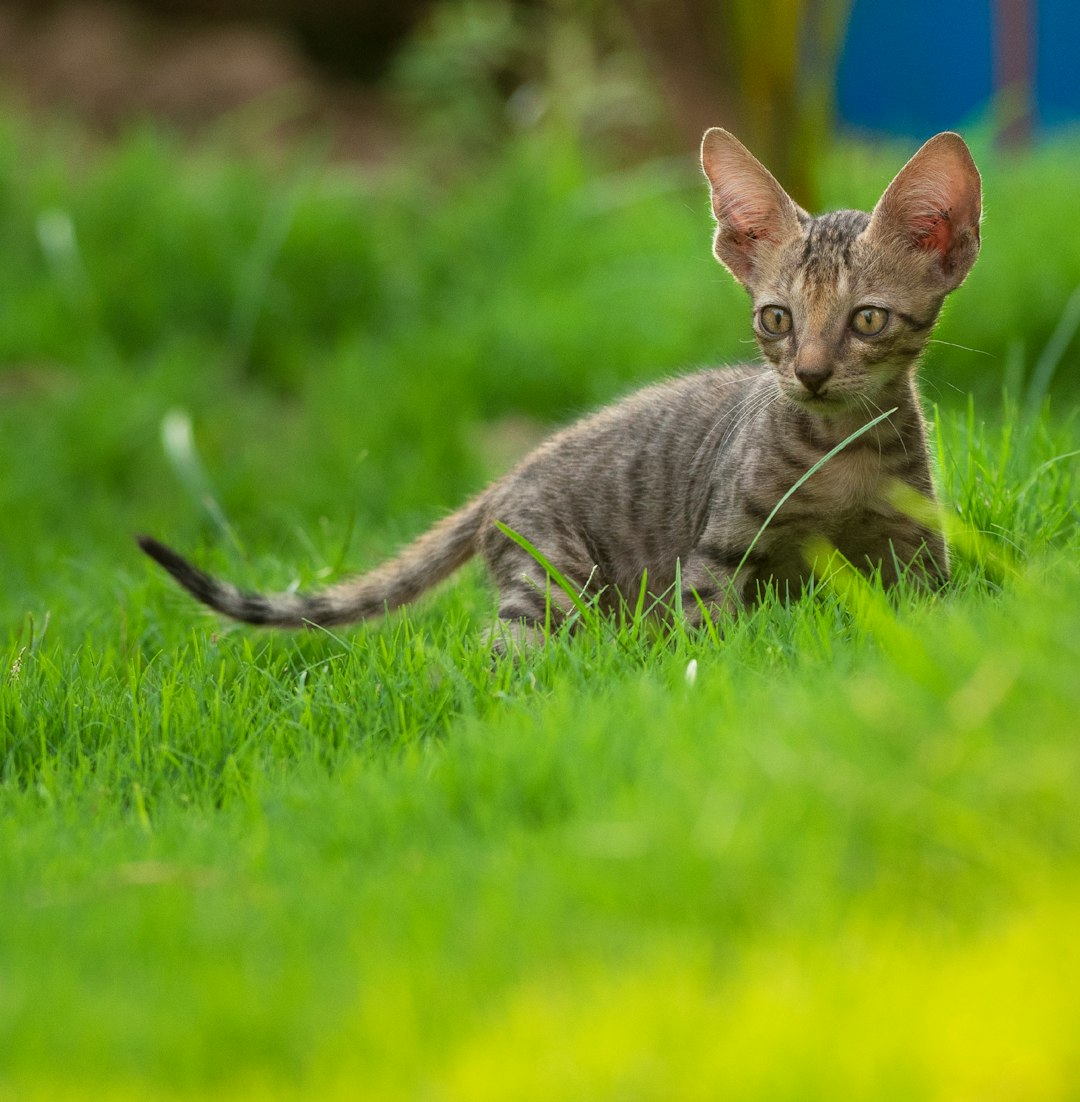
{"x":266,"y":271}
{"x":636,"y":75}
{"x":765,"y":70}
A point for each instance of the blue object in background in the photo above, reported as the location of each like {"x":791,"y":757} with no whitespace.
{"x":1057,"y":62}
{"x":917,"y":67}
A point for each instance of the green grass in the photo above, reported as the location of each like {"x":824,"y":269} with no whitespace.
{"x":834,"y":855}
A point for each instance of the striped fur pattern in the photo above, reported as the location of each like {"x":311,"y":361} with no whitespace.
{"x":676,"y":481}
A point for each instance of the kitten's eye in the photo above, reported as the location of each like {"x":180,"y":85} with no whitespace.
{"x":775,"y":320}
{"x":868,"y":321}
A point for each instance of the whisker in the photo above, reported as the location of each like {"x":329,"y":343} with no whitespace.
{"x":750,"y":412}
{"x":874,"y":409}
{"x":962,"y":347}
{"x":756,"y":404}
{"x":724,"y":414}
{"x":726,"y":421}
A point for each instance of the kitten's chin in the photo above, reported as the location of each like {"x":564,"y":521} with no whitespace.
{"x":823,"y":404}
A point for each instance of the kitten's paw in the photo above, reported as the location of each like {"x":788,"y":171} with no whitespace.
{"x":513,"y":638}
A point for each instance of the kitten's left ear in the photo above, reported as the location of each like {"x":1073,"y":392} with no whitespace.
{"x":934,"y":206}
{"x":754,"y":215}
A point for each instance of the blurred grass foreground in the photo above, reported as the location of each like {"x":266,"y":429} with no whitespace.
{"x":834,"y":854}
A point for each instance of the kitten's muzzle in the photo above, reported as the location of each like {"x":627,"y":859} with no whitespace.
{"x":814,"y":376}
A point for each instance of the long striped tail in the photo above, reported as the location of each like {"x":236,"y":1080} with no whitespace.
{"x":416,"y":568}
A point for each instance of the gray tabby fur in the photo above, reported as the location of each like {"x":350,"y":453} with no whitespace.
{"x":678,"y":478}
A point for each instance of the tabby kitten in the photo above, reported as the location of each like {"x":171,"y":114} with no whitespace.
{"x":679,"y":479}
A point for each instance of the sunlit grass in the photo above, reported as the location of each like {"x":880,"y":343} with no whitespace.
{"x":832,"y":853}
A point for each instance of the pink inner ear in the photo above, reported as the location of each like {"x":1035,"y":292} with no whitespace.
{"x":749,"y":216}
{"x":933,"y":231}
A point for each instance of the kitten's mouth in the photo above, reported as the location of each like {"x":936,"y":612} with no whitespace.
{"x":821,"y":401}
{"x":829,"y":405}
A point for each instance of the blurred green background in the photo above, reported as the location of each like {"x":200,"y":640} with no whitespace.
{"x":396,"y":243}
{"x":281,"y":284}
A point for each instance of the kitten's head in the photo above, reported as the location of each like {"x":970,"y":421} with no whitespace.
{"x":844,"y":303}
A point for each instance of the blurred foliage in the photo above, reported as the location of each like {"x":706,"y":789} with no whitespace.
{"x":629,"y":78}
{"x":638,"y":75}
{"x":477,"y":71}
{"x":764,"y":69}
{"x":537,"y":279}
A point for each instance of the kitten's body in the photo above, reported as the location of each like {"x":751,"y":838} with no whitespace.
{"x":678,"y":479}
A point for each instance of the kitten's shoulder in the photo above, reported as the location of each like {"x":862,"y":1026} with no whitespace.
{"x":702,"y":380}
{"x":698,"y":389}
{"x":712,"y":383}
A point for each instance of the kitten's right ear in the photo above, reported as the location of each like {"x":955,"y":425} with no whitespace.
{"x":933,"y":207}
{"x":753,"y":212}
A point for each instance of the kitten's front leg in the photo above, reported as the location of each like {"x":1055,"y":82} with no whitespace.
{"x":918,"y":555}
{"x":712,"y":586}
{"x":909,"y":551}
{"x":513,"y":638}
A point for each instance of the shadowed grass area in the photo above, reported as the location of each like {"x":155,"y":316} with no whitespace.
{"x":832,"y":854}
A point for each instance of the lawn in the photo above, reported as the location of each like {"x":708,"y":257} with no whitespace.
{"x":834,"y":854}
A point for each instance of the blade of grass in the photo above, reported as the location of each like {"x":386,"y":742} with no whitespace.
{"x":1056,"y":347}
{"x":801,"y":480}
{"x":581,"y":606}
{"x":178,"y":443}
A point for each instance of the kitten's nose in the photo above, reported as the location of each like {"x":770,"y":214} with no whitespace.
{"x":813,"y":376}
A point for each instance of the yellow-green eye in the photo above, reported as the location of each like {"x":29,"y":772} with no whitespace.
{"x":868,"y":321}
{"x":775,"y":320}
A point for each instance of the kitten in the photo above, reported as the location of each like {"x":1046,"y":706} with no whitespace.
{"x":678,"y":479}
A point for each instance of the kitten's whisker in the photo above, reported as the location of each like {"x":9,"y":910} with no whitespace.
{"x":747,"y":411}
{"x":753,"y":409}
{"x":744,"y":408}
{"x":962,"y":347}
{"x":874,"y":409}
{"x":726,"y":414}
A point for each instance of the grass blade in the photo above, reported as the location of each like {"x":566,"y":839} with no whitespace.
{"x":178,"y":443}
{"x":583,"y":609}
{"x":801,"y":480}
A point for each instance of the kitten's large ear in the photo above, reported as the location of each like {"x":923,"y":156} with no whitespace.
{"x":753,"y":212}
{"x":934,"y":206}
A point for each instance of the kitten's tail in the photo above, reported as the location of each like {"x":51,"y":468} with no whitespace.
{"x":419,"y":566}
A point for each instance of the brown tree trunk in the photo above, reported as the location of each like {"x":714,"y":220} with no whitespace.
{"x":764,"y":69}
{"x":1014,"y":41}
